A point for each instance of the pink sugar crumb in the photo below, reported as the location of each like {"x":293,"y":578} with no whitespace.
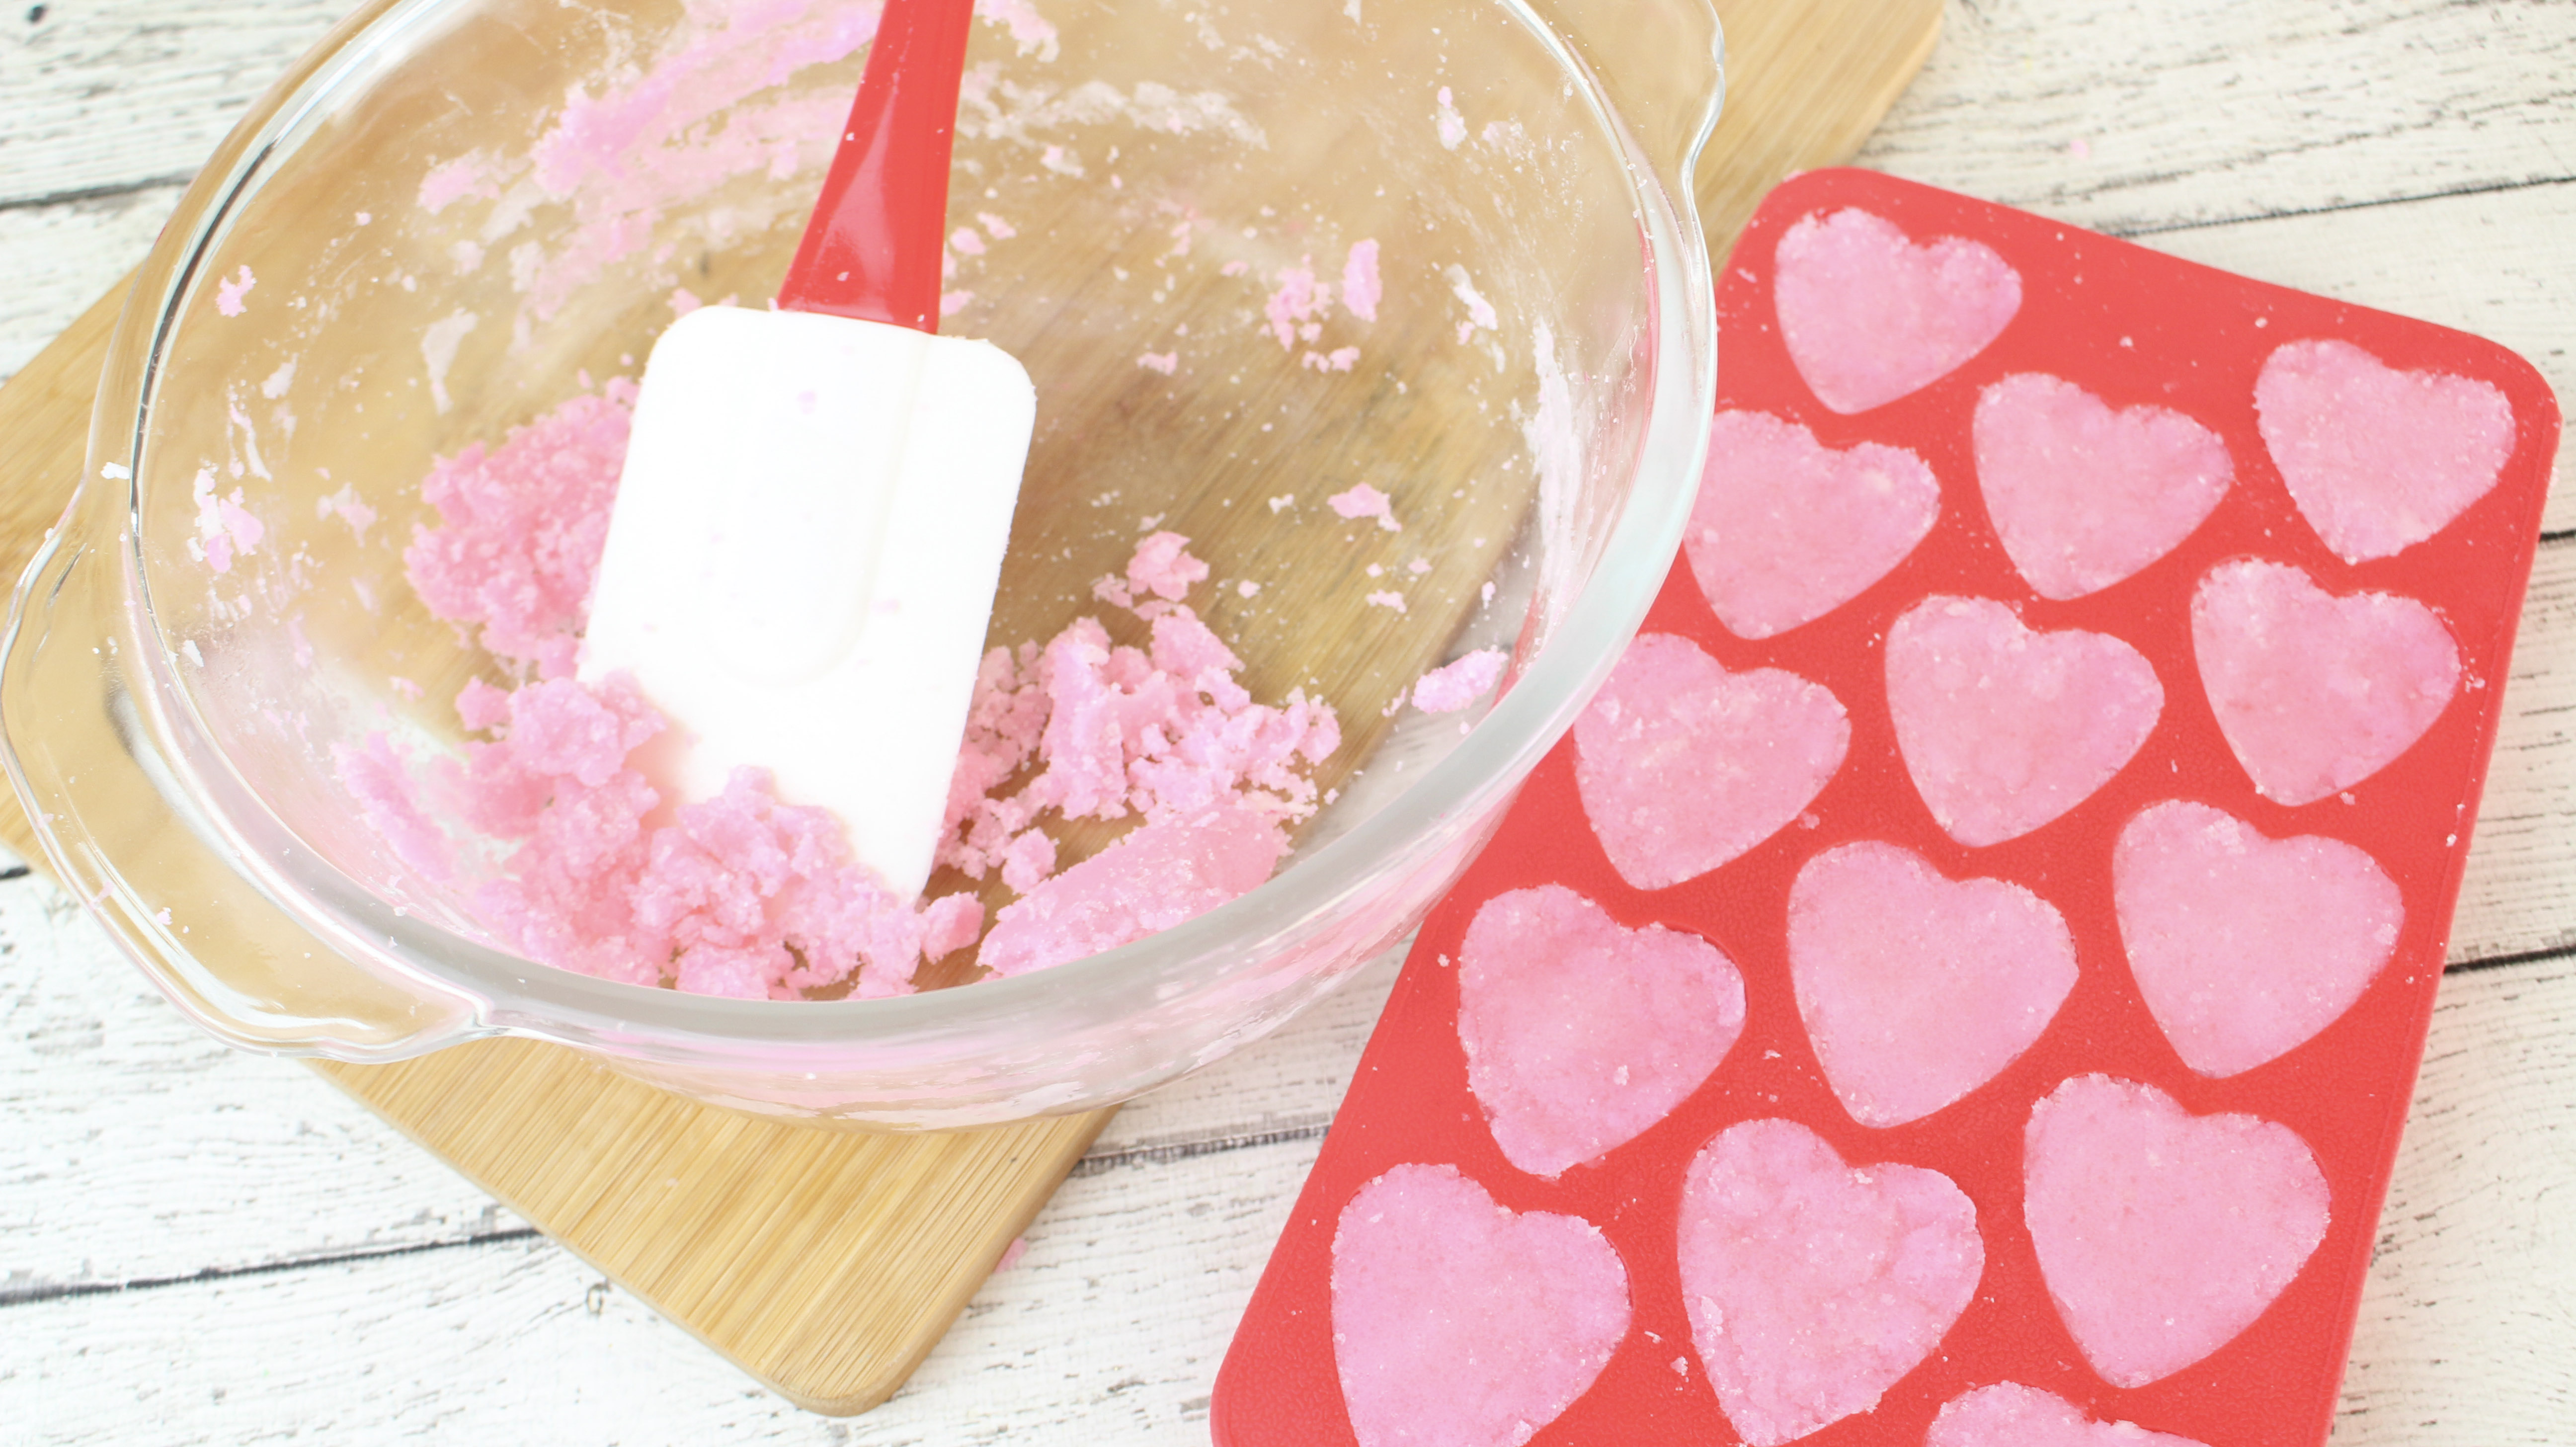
{"x":1460,"y":682}
{"x":1364,"y":501}
{"x":1298,"y":300}
{"x":1149,"y":881}
{"x":1163,"y":567}
{"x":1166,"y":363}
{"x":950,"y":923}
{"x":229,"y":294}
{"x":1361,"y":290}
{"x":225,"y":528}
{"x":521,"y":527}
{"x":1159,"y":731}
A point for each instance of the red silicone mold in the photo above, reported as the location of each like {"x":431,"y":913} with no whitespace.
{"x":2133,"y":328}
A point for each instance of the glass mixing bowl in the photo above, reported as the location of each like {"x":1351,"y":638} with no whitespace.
{"x":457,"y":213}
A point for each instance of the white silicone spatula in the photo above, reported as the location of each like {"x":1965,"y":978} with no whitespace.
{"x":811,"y":521}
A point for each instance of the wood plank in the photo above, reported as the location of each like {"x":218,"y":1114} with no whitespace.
{"x":112,"y":1096}
{"x":63,"y":258}
{"x":108,"y":1087}
{"x":1109,"y":1329}
{"x":106,"y":95}
{"x":2468,"y":1322}
{"x":2126,"y":116}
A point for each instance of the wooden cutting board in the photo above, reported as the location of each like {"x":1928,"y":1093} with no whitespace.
{"x":825,"y":1263}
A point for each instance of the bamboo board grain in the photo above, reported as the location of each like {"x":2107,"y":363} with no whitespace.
{"x":827,"y":1264}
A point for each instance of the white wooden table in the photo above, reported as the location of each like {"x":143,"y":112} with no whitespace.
{"x":198,"y":1246}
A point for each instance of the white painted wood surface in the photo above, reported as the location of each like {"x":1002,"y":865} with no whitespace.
{"x":203,"y":1247}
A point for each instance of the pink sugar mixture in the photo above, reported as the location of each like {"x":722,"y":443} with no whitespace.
{"x":584,"y":864}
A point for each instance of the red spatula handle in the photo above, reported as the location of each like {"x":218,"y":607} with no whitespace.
{"x":872,"y":249}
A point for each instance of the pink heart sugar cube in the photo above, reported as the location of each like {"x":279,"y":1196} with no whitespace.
{"x":1682,"y":765}
{"x":2162,"y":1234}
{"x":1786,"y":530}
{"x":2378,"y":459}
{"x":2244,"y":947}
{"x":1812,"y":1286}
{"x":1869,"y":316}
{"x":1580,"y":1034}
{"x":2082,"y":495}
{"x":1916,"y":989}
{"x":2009,"y":1414}
{"x":1457,"y":1323}
{"x":2004,"y":728}
{"x":2315,"y":692}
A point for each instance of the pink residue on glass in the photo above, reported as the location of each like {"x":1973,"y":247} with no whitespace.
{"x":2083,"y":495}
{"x":681,"y":126}
{"x":1786,"y":530}
{"x":225,"y":527}
{"x":453,"y":180}
{"x":1682,"y":766}
{"x":1031,"y":31}
{"x":2378,"y":459}
{"x":1361,"y":291}
{"x":1869,"y":316}
{"x":1459,"y":1323}
{"x":1813,"y":1286}
{"x":592,"y":869}
{"x":1364,"y":501}
{"x":349,"y":508}
{"x":376,"y":777}
{"x":1153,"y":878}
{"x":1292,"y":308}
{"x":229,"y":294}
{"x":2163,"y":1234}
{"x":2316,"y":693}
{"x":2202,"y":895}
{"x":2009,"y":1414}
{"x":1459,"y":682}
{"x":1915,"y":988}
{"x":1580,"y":1035}
{"x":1452,"y":126}
{"x":2005,"y":728}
